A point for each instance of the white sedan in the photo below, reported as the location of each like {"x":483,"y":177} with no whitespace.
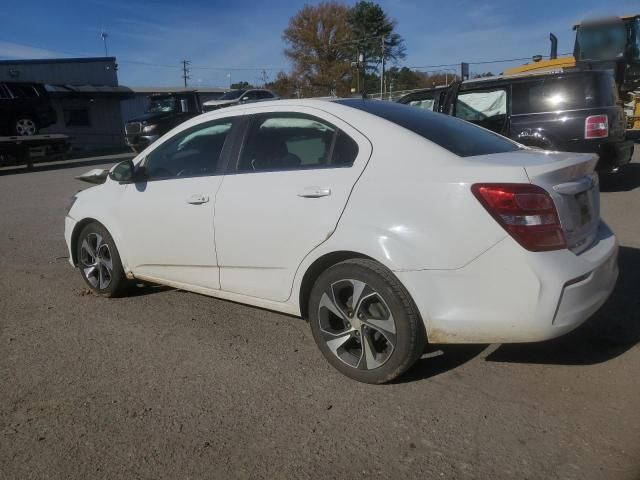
{"x":385,"y":226}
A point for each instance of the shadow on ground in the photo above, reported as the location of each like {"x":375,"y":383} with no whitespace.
{"x":47,"y":167}
{"x":613,"y":330}
{"x":624,"y":180}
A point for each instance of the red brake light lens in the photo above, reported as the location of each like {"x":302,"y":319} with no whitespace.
{"x":525,"y":211}
{"x":596,"y":126}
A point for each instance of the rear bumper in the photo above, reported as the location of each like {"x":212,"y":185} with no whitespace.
{"x":510,"y":295}
{"x":614,"y":155}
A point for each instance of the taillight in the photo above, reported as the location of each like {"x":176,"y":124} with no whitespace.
{"x":526,"y":211}
{"x":596,"y":126}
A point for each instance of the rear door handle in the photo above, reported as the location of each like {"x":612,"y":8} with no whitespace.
{"x":314,"y":192}
{"x":197,"y":199}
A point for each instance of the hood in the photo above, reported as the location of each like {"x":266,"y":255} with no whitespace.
{"x":152,"y":117}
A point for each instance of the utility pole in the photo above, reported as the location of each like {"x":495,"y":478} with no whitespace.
{"x":382,"y":74}
{"x":185,"y":71}
{"x":104,"y":36}
{"x":264,"y":79}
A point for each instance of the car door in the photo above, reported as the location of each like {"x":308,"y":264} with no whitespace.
{"x":283,"y":196}
{"x":168,"y":213}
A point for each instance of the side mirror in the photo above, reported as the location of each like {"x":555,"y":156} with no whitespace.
{"x":244,"y":99}
{"x":184,"y":106}
{"x":124,"y":172}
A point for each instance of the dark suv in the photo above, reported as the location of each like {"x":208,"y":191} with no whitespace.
{"x":25,"y":108}
{"x":571,"y":111}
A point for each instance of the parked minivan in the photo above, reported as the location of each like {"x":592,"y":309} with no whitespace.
{"x":25,"y":108}
{"x":569,"y":111}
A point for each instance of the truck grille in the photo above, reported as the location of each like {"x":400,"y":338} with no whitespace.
{"x":133,"y":128}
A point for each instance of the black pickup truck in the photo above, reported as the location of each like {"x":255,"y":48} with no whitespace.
{"x":577,"y":111}
{"x":165,"y":111}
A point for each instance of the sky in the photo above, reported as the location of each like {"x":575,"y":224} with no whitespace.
{"x":227,"y":40}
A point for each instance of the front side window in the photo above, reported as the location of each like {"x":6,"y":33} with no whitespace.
{"x":427,"y":102}
{"x":292,"y":142}
{"x":487,"y":108}
{"x":192,"y":153}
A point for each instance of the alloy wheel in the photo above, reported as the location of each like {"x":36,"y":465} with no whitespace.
{"x":26,"y":126}
{"x":96,"y":262}
{"x":356,"y":324}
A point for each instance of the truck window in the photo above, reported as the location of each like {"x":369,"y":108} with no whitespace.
{"x":564,"y":93}
{"x":487,"y":108}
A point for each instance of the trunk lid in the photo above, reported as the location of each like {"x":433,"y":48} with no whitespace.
{"x":571,"y":181}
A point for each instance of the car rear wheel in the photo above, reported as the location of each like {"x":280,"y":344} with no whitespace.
{"x":364,"y":321}
{"x":25,"y":126}
{"x":99,"y":261}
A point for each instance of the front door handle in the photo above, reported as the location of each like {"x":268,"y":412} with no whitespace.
{"x":314,"y":192}
{"x":197,"y":199}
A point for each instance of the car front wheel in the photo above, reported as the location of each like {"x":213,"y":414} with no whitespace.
{"x":364,"y":321}
{"x":99,"y":261}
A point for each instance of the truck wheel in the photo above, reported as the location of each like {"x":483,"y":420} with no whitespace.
{"x":25,"y":126}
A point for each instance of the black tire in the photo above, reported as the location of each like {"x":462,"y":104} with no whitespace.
{"x":25,"y":125}
{"x":384,"y":293}
{"x":95,"y":269}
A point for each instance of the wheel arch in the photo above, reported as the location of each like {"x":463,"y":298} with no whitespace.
{"x":76,"y":233}
{"x":316,"y":268}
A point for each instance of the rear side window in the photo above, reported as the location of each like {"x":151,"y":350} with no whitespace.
{"x":288,"y":141}
{"x":24,"y":91}
{"x":571,"y":92}
{"x":459,"y":137}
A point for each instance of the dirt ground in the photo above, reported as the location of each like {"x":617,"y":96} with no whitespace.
{"x":168,"y":384}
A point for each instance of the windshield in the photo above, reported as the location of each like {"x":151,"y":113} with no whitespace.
{"x":232,"y":95}
{"x":601,"y":42}
{"x":161,"y":104}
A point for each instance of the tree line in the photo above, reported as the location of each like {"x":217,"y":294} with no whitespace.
{"x":339,"y":50}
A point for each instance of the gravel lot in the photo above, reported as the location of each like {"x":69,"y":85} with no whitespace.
{"x":169,"y":384}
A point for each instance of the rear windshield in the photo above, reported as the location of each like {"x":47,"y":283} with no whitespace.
{"x":570,"y":92}
{"x":459,"y":137}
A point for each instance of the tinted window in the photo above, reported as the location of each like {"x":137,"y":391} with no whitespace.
{"x":191,"y":153}
{"x":459,"y":137}
{"x":293,"y":141}
{"x":564,"y":93}
{"x":3,"y":92}
{"x":262,"y":94}
{"x":23,"y":91}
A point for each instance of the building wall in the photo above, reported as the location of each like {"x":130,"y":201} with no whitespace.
{"x":85,"y":71}
{"x":105,"y":130}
